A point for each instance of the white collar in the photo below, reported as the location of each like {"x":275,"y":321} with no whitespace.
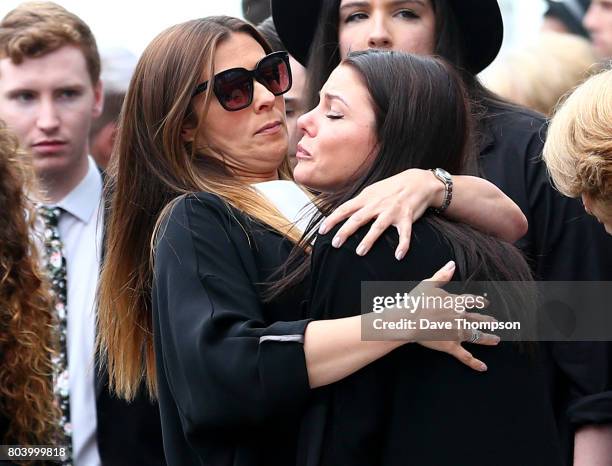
{"x":84,"y":199}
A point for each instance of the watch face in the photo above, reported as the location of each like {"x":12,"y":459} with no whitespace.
{"x":444,"y":174}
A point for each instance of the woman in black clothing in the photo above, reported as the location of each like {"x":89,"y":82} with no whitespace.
{"x":202,"y":139}
{"x":562,"y":243}
{"x":411,"y":407}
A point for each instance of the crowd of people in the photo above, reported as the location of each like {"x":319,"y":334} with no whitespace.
{"x":182,"y":259}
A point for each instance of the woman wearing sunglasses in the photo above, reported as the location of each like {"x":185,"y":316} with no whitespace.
{"x":201,"y":217}
{"x":506,"y":150}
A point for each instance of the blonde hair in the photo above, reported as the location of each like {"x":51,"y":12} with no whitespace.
{"x":578,"y":149}
{"x":34,"y":29}
{"x":538,"y":75}
{"x":151,"y":169}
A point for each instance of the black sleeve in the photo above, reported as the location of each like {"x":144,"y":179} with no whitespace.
{"x":225,"y":364}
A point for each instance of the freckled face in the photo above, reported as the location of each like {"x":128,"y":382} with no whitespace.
{"x":339,"y":134}
{"x":49,"y":103}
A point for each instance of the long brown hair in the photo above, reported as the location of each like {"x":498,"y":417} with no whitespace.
{"x":422,"y":121}
{"x":27,"y":338}
{"x":152,"y":168}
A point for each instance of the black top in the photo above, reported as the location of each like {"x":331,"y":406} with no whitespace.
{"x":231,"y":371}
{"x":563,"y":243}
{"x":526,"y":409}
{"x":419,"y":406}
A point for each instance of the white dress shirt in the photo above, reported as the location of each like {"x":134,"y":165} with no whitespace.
{"x":80,"y":228}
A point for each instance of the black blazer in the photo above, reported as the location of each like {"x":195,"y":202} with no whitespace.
{"x":128,"y":433}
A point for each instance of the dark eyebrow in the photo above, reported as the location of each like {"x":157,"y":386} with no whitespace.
{"x":362,"y":4}
{"x":331,"y":96}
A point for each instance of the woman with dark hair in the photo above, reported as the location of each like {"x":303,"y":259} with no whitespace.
{"x":28,"y":413}
{"x":369,"y":126}
{"x":562,"y":243}
{"x":202,"y":212}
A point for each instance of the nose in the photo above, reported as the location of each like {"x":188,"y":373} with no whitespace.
{"x":590,"y":19}
{"x":305,"y":124}
{"x":48,"y":118}
{"x":379,"y":36}
{"x":263,"y":99}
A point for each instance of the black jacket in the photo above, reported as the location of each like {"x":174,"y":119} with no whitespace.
{"x":231,"y":370}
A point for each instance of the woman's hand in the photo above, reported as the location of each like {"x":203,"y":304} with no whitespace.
{"x":453,"y":347}
{"x":444,"y":331}
{"x":399,"y":201}
{"x":402,"y":199}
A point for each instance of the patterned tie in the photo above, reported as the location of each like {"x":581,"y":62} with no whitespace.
{"x":55,"y":265}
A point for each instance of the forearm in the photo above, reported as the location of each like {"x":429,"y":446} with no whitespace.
{"x":334,"y":350}
{"x":593,"y":446}
{"x":482,"y":205}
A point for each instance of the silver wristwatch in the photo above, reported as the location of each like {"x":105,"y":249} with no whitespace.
{"x":446,"y":178}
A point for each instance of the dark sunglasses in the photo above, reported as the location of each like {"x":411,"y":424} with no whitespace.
{"x":234,"y":87}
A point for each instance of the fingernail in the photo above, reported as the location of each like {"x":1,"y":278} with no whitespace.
{"x":449,"y":266}
{"x":497,"y":340}
{"x":361,"y":250}
{"x":482,"y":367}
{"x":336,"y":242}
{"x":399,"y":255}
{"x":323,"y":229}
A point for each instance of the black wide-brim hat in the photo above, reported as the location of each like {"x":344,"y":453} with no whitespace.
{"x":479,"y":21}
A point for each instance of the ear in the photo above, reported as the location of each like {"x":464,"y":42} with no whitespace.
{"x":98,"y":105}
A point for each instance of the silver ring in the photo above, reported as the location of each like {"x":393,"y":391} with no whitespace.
{"x":476,"y":334}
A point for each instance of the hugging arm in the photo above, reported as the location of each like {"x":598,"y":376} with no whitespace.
{"x":402,"y":199}
{"x":335,"y":348}
{"x":225,"y":364}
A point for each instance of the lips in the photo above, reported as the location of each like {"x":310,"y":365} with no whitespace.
{"x":270,"y":128}
{"x":302,"y":153}
{"x":49,"y":145}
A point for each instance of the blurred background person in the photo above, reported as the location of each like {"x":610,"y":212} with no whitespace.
{"x":566,"y":16}
{"x":578,"y":150}
{"x":28,"y":415}
{"x":538,"y":75}
{"x":256,"y":11}
{"x":598,"y":21}
{"x":117,"y":68}
{"x":294,"y":99}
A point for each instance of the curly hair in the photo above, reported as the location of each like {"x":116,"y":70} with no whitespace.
{"x":27,"y":336}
